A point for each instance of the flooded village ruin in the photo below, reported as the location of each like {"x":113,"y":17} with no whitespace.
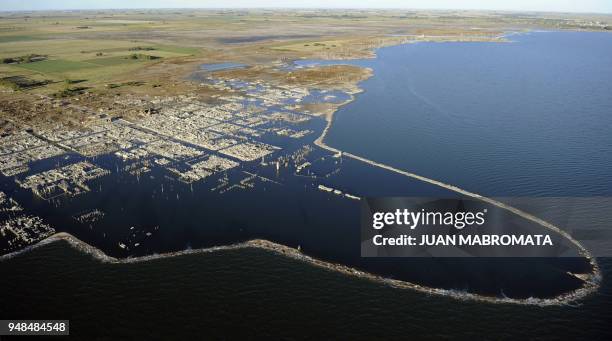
{"x":243,"y":140}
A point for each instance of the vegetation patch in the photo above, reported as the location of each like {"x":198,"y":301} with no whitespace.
{"x":141,"y":56}
{"x":117,"y":85}
{"x":179,"y":49}
{"x":21,"y":82}
{"x":57,"y":66}
{"x":74,"y":81}
{"x":30,"y":58}
{"x":70,"y":91}
{"x":16,"y":38}
{"x":110,"y":61}
{"x":140,"y":48}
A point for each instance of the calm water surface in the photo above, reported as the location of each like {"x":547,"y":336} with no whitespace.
{"x":527,"y":118}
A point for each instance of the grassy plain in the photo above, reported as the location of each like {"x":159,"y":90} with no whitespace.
{"x":97,"y":48}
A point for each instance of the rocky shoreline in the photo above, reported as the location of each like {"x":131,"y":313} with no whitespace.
{"x":591,"y":283}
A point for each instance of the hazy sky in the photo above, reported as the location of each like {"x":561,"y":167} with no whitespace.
{"x":524,"y":5}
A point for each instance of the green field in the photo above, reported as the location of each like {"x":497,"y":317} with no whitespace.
{"x":112,"y":61}
{"x":95,"y":46}
{"x":10,"y":39}
{"x":179,"y":50}
{"x":57,"y":66}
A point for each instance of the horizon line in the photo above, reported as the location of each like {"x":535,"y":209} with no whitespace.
{"x":302,"y":8}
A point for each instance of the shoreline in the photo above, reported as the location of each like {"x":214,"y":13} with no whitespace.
{"x":282,"y":250}
{"x":591,"y":280}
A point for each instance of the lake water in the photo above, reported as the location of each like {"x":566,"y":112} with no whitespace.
{"x":221,"y":66}
{"x":527,"y":118}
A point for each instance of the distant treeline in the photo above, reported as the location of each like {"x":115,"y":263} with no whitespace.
{"x":141,"y":56}
{"x":140,"y":48}
{"x":30,"y":58}
{"x":21,"y":82}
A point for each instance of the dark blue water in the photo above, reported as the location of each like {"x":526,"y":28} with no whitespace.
{"x":248,"y":294}
{"x":221,"y":66}
{"x":527,"y":118}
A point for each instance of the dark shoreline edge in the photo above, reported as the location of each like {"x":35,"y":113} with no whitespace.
{"x":590,"y":286}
